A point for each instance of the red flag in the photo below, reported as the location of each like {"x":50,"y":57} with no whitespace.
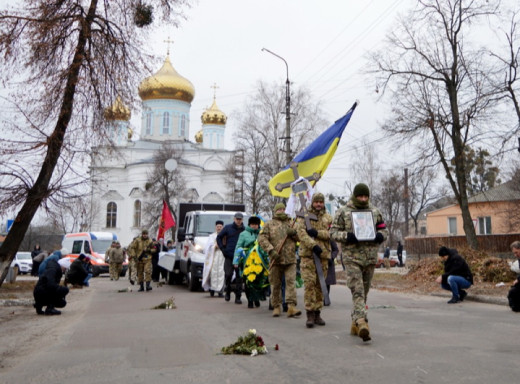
{"x":166,"y":221}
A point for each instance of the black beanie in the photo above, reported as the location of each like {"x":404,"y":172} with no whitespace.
{"x":443,"y":251}
{"x":361,"y":190}
{"x":253,"y":220}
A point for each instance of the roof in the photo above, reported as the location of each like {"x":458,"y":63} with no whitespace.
{"x":504,"y":192}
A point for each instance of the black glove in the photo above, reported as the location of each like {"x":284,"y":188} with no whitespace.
{"x":312,"y":232}
{"x":379,"y":238}
{"x":274,"y":255}
{"x":317,"y":250}
{"x":351,"y":238}
{"x":143,"y":255}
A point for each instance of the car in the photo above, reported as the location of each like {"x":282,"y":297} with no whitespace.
{"x":394,"y":260}
{"x":23,"y":262}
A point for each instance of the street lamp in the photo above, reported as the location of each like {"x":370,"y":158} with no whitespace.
{"x":287,"y":109}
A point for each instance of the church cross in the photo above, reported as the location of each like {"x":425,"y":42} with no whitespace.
{"x":214,"y":86}
{"x":168,"y":41}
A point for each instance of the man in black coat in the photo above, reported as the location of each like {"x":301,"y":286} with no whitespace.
{"x":513,"y":295}
{"x":226,"y":241}
{"x":457,"y":275}
{"x":48,"y":291}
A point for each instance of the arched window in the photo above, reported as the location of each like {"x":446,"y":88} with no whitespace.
{"x":111,"y":215}
{"x":166,"y":123}
{"x":149,"y":123}
{"x":137,"y":213}
{"x":182,"y":132}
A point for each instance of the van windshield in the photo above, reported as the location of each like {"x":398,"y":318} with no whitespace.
{"x":100,"y":246}
{"x":205,"y":224}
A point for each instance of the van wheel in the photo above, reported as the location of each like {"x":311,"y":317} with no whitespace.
{"x":192,"y":284}
{"x":174,"y":278}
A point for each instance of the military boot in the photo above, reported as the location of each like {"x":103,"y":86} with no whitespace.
{"x":141,"y":287}
{"x":363,"y":330}
{"x":292,"y":311}
{"x":276,"y":312}
{"x":148,"y":287}
{"x":354,"y":329}
{"x":310,"y":319}
{"x":317,"y":318}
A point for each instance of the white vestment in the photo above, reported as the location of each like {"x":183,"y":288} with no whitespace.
{"x":213,"y":272}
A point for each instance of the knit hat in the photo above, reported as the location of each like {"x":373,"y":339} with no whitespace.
{"x":443,"y":251}
{"x":64,"y":252}
{"x":318,"y":197}
{"x":144,"y":232}
{"x":216,"y":223}
{"x":279,"y":206}
{"x":361,"y":190}
{"x":253,"y":220}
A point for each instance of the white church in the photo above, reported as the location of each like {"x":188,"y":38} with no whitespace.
{"x":118,"y":177}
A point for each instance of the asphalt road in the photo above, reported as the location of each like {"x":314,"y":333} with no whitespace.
{"x":118,"y":338}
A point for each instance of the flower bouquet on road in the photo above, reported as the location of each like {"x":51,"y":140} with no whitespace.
{"x":250,"y":344}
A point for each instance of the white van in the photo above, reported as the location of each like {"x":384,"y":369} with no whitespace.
{"x":93,"y":244}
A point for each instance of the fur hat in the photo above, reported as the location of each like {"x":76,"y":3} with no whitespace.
{"x":443,"y":251}
{"x":216,"y":223}
{"x":318,"y":197}
{"x":361,"y":190}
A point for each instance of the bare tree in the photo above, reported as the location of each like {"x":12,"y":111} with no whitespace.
{"x":508,"y":77}
{"x":163,"y":184}
{"x":71,"y":215}
{"x":442,"y":98}
{"x":261,"y":125}
{"x":75,"y":57}
{"x":391,"y":203}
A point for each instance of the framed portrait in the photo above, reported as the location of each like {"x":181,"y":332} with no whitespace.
{"x":363,"y":225}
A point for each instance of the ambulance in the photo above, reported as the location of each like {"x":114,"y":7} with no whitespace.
{"x":93,"y":244}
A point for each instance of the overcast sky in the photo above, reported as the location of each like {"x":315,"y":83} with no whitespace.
{"x":323,"y":42}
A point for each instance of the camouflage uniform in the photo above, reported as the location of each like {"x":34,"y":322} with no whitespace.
{"x":276,"y":232}
{"x":360,"y":257}
{"x":116,"y":258}
{"x":140,"y":251}
{"x":313,"y":296}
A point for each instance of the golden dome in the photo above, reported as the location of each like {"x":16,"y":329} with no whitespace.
{"x":199,"y":136}
{"x":213,"y":115}
{"x":167,"y":84}
{"x":117,"y":111}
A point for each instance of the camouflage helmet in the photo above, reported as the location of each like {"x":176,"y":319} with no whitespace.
{"x":318,"y":197}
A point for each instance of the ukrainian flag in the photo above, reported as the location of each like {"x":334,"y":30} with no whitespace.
{"x":315,"y":158}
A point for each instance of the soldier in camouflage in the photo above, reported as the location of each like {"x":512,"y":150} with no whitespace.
{"x":360,"y":257}
{"x":278,"y":238}
{"x":140,"y":250}
{"x":314,"y":240}
{"x":116,"y":259}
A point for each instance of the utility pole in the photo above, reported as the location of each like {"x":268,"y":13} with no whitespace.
{"x":288,"y":155}
{"x":406,"y":202}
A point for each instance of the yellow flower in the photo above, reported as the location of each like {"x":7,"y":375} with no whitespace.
{"x":257,"y":269}
{"x":251,"y":277}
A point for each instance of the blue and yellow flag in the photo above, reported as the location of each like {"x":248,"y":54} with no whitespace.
{"x":315,"y":158}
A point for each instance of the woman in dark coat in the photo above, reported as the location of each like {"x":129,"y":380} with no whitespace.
{"x":48,"y":291}
{"x":36,"y":264}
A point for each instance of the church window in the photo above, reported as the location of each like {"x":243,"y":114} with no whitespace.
{"x":111,"y":215}
{"x":182,"y":132}
{"x":166,"y":123}
{"x":137,"y":213}
{"x":149,"y":123}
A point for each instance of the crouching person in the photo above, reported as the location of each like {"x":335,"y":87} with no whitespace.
{"x":78,"y":274}
{"x":48,"y":292}
{"x":514,"y":293}
{"x":456,"y":277}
